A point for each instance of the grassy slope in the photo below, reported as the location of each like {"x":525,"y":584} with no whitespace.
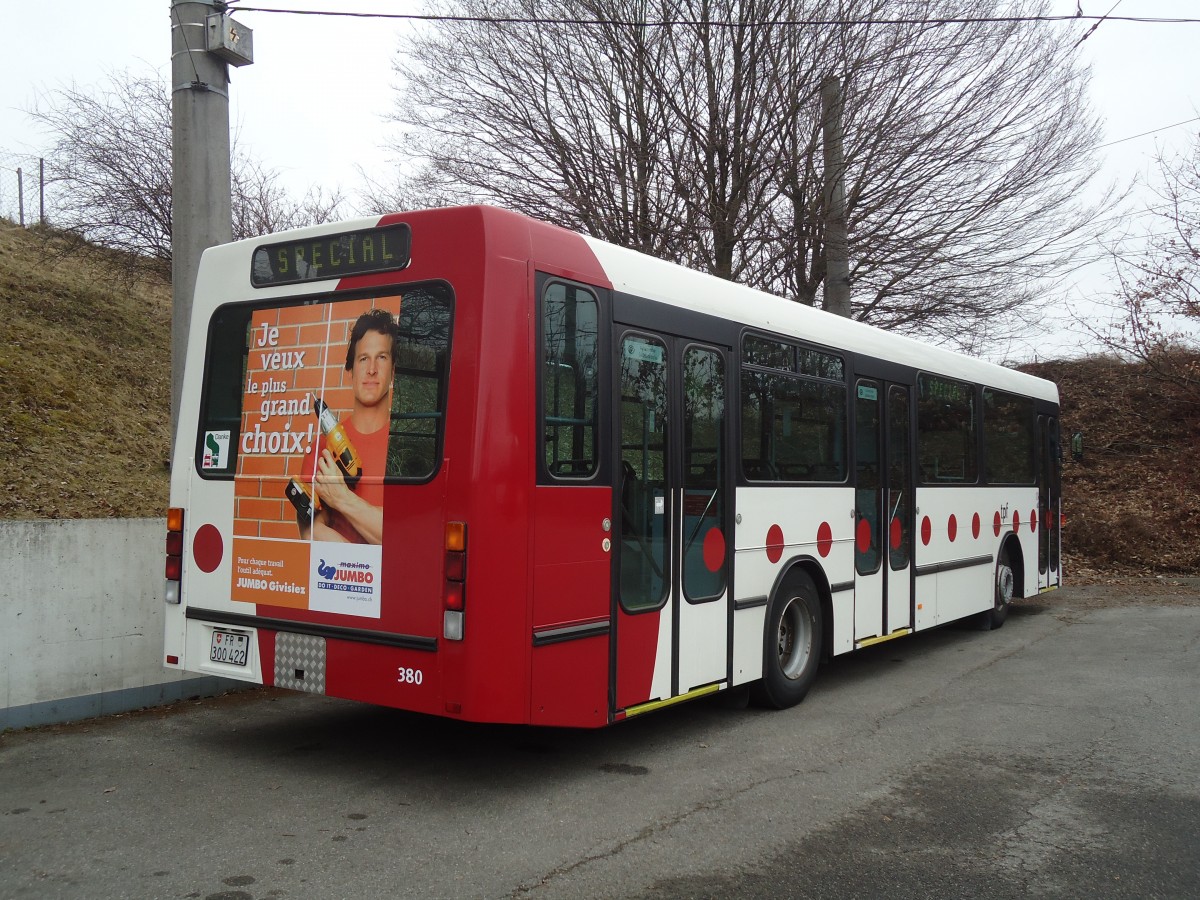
{"x":85,"y":375}
{"x":1133,"y":502}
{"x":85,"y":380}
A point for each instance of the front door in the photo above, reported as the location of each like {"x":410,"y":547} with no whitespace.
{"x":1049,"y":493}
{"x":883,"y":509}
{"x":671,"y":604}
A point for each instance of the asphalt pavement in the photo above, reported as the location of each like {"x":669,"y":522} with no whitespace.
{"x":1056,"y":757}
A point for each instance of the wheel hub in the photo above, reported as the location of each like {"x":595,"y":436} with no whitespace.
{"x":793,"y":646}
{"x":1005,"y":583}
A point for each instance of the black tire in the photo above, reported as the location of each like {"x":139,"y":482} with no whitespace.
{"x":1002,"y":594}
{"x":791,"y":644}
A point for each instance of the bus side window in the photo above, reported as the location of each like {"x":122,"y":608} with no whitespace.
{"x":570,"y":331}
{"x":946,"y":430}
{"x":793,"y":413}
{"x":1008,"y":438}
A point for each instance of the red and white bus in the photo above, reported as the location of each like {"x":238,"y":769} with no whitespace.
{"x":470,"y":464}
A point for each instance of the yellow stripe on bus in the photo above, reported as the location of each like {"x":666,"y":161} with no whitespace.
{"x":659,"y":704}
{"x":867,"y":642}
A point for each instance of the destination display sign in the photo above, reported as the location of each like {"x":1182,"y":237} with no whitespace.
{"x":332,"y":256}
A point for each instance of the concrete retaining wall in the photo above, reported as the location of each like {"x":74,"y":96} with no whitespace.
{"x":81,"y":621}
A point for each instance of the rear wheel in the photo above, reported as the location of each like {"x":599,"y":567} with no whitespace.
{"x":792,"y":644}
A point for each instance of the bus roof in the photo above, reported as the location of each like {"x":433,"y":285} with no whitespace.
{"x":654,"y":279}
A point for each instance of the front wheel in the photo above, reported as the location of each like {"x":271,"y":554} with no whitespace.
{"x":792,"y":644}
{"x":1003,"y":590}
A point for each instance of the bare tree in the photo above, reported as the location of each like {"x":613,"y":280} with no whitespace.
{"x":261,"y":205}
{"x":1156,"y":306}
{"x":109,"y":169}
{"x":691,"y":129}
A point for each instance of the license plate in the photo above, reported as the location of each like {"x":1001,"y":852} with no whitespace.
{"x":229,"y":647}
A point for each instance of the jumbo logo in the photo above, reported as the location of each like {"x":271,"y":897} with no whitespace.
{"x":354,"y":573}
{"x":357,"y":576}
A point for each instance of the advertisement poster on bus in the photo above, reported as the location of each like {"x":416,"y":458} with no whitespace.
{"x":312,"y":451}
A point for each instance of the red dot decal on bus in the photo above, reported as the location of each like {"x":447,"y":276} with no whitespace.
{"x":897,"y":533}
{"x":996,"y":524}
{"x":926,"y":531}
{"x":1033,"y":520}
{"x":208,"y":548}
{"x":774,"y":543}
{"x":824,"y":539}
{"x":714,"y":550}
{"x":862,"y":536}
{"x":975,"y":525}
{"x":952,"y":528}
{"x":1016,"y":521}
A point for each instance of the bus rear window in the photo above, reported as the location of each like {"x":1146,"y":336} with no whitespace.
{"x":272,"y":370}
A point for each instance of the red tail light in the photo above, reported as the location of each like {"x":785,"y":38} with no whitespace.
{"x":456,"y":594}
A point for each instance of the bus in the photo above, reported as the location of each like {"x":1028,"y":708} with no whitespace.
{"x":469,"y":464}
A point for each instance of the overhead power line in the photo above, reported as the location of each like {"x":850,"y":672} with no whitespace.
{"x":668,"y":23}
{"x":1103,"y":18}
{"x":1134,"y":137}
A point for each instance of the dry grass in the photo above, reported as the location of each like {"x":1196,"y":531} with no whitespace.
{"x":85,"y":381}
{"x":1133,"y":502}
{"x":85,"y":375}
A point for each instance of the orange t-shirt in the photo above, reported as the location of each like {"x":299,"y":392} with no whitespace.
{"x":372,"y":451}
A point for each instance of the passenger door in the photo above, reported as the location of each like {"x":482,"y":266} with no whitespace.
{"x":1049,"y":494}
{"x":671,"y":604}
{"x":883,"y":509}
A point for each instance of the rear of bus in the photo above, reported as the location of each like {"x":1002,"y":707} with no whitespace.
{"x":425,"y":606}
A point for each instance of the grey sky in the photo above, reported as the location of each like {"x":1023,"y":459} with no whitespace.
{"x":312,"y":104}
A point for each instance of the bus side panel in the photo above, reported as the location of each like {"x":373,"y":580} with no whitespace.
{"x":777,"y":526}
{"x":488,"y":452}
{"x":571,"y":597}
{"x":570,"y":684}
{"x":946,"y":537}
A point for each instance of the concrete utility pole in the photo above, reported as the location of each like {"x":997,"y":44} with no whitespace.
{"x":203,"y":42}
{"x":837,"y":262}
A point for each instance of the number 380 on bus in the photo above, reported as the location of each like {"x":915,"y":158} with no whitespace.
{"x":469,"y":464}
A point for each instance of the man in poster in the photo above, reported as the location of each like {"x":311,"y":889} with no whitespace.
{"x":353,"y":511}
